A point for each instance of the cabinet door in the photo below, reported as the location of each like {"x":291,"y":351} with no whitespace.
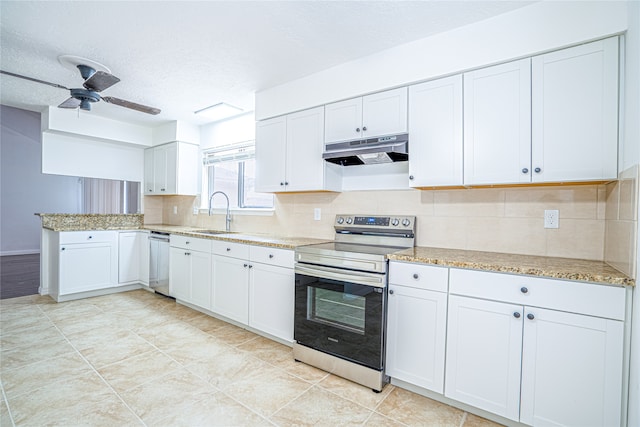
{"x":171,"y":169}
{"x":87,"y":267}
{"x":160,"y":170}
{"x":201,"y":284}
{"x":271,"y":300}
{"x":231,"y":288}
{"x":149,"y":179}
{"x":305,"y":143}
{"x":416,"y":325}
{"x":435,"y":130}
{"x":571,"y":369}
{"x":343,"y":120}
{"x":129,"y":257}
{"x":271,"y":154}
{"x":384,"y":113}
{"x":484,"y":347}
{"x":575,"y":113}
{"x":179,"y":274}
{"x":497,"y":124}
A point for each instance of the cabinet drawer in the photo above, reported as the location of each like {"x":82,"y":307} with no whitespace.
{"x":272,"y":256}
{"x":88,"y":236}
{"x":193,"y":243}
{"x":235,"y":250}
{"x":419,"y":276}
{"x":575,"y":297}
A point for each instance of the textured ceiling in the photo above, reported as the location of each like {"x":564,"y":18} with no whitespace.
{"x":181,"y":56}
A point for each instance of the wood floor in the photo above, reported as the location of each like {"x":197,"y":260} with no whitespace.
{"x":19,"y":275}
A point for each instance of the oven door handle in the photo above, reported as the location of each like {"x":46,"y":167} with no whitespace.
{"x":351,"y":276}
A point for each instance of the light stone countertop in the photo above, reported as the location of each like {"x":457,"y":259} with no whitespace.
{"x":80,"y":222}
{"x":551,"y":267}
{"x":251,"y":238}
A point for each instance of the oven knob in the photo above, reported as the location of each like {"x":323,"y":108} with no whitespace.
{"x":349,"y":220}
{"x":340,"y":220}
{"x":395,"y":222}
{"x":406,"y":222}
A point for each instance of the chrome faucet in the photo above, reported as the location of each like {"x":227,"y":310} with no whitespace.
{"x":228,"y":218}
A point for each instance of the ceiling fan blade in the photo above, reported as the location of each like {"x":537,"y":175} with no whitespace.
{"x":100,"y":81}
{"x":131,"y":105}
{"x":70,"y":103}
{"x":33,"y":80}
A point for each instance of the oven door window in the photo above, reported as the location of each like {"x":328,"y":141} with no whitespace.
{"x":340,"y":318}
{"x":340,"y":309}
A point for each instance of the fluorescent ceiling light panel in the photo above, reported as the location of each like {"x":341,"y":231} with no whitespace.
{"x":219,"y":111}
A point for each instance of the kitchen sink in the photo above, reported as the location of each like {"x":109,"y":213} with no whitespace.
{"x":212,"y":232}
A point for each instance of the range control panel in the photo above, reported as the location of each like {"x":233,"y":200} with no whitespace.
{"x":376,"y":222}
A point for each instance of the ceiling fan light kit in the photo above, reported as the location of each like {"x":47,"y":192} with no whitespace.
{"x":97,"y":78}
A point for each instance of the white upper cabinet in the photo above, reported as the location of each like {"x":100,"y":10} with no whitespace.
{"x":289,"y":154}
{"x":171,"y":169}
{"x":271,"y":143}
{"x":575,"y":113}
{"x":382,"y":113}
{"x":497,"y":124}
{"x":435,"y":133}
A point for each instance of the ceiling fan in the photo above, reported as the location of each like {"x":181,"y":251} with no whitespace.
{"x":94,"y":82}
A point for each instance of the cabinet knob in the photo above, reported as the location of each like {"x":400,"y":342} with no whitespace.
{"x":228,"y":249}
{"x":525,"y":170}
{"x":90,"y":237}
{"x":411,"y":177}
{"x":415,"y":276}
{"x":63,"y":249}
{"x":245,"y":265}
{"x":162,"y":189}
{"x":286,"y":183}
{"x":187,"y":242}
{"x":187,"y":253}
{"x":150,"y":191}
{"x":516,"y":314}
{"x":391,"y":291}
{"x":270,"y":255}
{"x":250,"y":266}
{"x":357,"y":129}
{"x":282,"y":183}
{"x":524,"y":290}
{"x":364,"y":128}
{"x":530,"y":316}
{"x":537,"y":170}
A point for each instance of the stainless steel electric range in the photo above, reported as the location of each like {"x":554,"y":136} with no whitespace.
{"x":341,"y":296}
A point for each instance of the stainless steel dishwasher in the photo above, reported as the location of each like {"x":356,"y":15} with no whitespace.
{"x":159,"y":262}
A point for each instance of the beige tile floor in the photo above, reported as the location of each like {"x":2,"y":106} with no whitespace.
{"x":137,"y":358}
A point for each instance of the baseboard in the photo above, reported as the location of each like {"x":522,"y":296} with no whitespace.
{"x":20,"y":252}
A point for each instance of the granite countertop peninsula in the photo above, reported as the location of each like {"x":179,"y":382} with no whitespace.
{"x":80,"y":222}
{"x":235,"y":237}
{"x":550,"y":267}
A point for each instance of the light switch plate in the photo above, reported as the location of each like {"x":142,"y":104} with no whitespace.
{"x":317,"y":214}
{"x":175,"y":210}
{"x":551,"y":218}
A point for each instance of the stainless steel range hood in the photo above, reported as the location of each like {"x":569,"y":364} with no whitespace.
{"x":384,"y":149}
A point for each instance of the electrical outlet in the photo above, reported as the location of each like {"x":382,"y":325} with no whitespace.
{"x":175,"y":210}
{"x":551,"y":218}
{"x":317,"y":214}
{"x":195,"y":210}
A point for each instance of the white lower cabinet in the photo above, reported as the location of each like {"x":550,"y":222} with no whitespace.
{"x":133,"y":257}
{"x":510,"y":354}
{"x":88,"y":260}
{"x":254,"y":285}
{"x":190,"y":270}
{"x":416,"y":324}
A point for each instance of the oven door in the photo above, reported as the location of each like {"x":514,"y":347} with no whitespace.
{"x":341,"y":312}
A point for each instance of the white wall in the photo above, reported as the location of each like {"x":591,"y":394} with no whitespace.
{"x":66,"y":154}
{"x":631,"y":156}
{"x":236,"y":129}
{"x":24,"y":190}
{"x":526,"y":31}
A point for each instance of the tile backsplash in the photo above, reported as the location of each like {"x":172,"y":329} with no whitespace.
{"x":489,"y":219}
